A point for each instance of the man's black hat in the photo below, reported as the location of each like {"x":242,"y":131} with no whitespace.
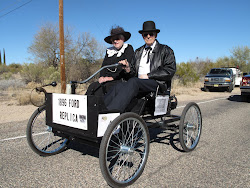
{"x":149,"y":26}
{"x":117,"y":31}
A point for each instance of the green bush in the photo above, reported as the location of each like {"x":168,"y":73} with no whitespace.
{"x":6,"y":75}
{"x":3,"y":68}
{"x":15,"y":68}
{"x":5,"y":84}
{"x":32,"y":72}
{"x":51,"y":74}
{"x":186,"y":73}
{"x":40,"y":74}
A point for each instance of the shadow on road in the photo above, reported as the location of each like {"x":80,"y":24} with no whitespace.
{"x":238,"y":98}
{"x":169,"y":136}
{"x":214,"y":89}
{"x":84,"y":149}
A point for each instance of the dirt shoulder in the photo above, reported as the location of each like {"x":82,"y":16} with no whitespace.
{"x":11,"y":112}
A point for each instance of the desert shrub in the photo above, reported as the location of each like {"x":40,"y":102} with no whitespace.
{"x":23,"y":99}
{"x":39,"y":73}
{"x":14,"y":68}
{"x":82,"y":70}
{"x":3,"y":68}
{"x":55,"y":76}
{"x":32,"y":72}
{"x":186,"y":73}
{"x":5,"y":84}
{"x":6,"y":75}
{"x":32,"y":85}
{"x":50,"y":74}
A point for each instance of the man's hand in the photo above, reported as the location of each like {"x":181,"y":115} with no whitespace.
{"x":127,"y":67}
{"x":105,"y":79}
{"x":143,"y":76}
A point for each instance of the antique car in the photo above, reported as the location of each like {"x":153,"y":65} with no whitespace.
{"x":122,"y":138}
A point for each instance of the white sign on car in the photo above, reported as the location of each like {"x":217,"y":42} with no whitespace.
{"x":70,"y":110}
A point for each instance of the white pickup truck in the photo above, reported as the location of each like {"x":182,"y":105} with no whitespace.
{"x":237,"y":75}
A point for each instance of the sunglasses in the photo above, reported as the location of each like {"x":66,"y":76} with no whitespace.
{"x":146,"y":34}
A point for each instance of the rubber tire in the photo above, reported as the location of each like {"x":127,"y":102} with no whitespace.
{"x":182,"y":127}
{"x":230,"y":89}
{"x":206,"y":89}
{"x":105,"y":145}
{"x":29,"y":133}
{"x":243,"y":97}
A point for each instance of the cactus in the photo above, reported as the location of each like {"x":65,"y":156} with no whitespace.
{"x":0,"y":58}
{"x":4,"y":60}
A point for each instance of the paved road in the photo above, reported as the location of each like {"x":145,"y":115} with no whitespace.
{"x":220,"y":160}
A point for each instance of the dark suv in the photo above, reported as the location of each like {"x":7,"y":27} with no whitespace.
{"x":219,"y":78}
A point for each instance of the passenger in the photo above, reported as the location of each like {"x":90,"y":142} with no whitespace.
{"x":153,"y":65}
{"x":120,"y":51}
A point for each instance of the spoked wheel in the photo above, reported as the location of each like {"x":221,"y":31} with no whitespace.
{"x":190,"y":127}
{"x":124,"y":150}
{"x":40,"y":137}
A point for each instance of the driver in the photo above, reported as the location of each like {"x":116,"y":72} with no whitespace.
{"x":153,"y":65}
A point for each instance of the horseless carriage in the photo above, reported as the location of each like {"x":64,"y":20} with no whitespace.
{"x":123,"y":138}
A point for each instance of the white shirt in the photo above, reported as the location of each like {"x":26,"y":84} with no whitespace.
{"x":144,"y":67}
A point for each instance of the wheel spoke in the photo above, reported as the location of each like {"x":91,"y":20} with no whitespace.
{"x":40,"y":136}
{"x":127,"y":151}
{"x":190,"y":127}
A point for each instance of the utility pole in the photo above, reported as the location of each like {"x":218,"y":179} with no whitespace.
{"x":62,"y":59}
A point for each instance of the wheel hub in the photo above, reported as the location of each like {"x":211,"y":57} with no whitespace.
{"x":191,"y":126}
{"x":49,"y":129}
{"x":127,"y":150}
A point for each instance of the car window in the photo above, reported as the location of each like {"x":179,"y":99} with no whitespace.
{"x":219,"y":71}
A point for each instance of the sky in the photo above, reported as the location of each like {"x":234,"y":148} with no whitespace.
{"x":192,"y":28}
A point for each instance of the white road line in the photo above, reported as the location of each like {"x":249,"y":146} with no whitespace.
{"x":206,"y":101}
{"x":18,"y":137}
{"x":13,"y":138}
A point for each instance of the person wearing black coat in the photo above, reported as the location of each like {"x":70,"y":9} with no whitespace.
{"x":118,"y":52}
{"x":153,"y":66}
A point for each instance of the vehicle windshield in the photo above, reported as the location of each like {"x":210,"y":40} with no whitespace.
{"x":219,"y":71}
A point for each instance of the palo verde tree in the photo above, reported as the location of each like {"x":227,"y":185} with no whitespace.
{"x":45,"y":45}
{"x":83,"y":49}
{"x":241,"y":57}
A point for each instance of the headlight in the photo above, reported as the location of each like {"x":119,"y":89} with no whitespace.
{"x":206,"y":79}
{"x":227,"y":80}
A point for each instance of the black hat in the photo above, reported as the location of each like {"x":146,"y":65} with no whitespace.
{"x":149,"y":26}
{"x":117,"y":31}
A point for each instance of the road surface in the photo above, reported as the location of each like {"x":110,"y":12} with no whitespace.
{"x":221,"y":158}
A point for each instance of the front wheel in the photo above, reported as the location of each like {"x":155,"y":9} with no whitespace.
{"x":40,"y":137}
{"x":230,"y":88}
{"x":124,"y":150}
{"x":190,"y":127}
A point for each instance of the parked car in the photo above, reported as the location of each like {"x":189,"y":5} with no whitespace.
{"x":237,"y":75}
{"x":245,"y":87}
{"x":219,"y":78}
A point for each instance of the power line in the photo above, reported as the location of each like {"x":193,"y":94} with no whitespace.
{"x":9,"y":5}
{"x":16,"y":8}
